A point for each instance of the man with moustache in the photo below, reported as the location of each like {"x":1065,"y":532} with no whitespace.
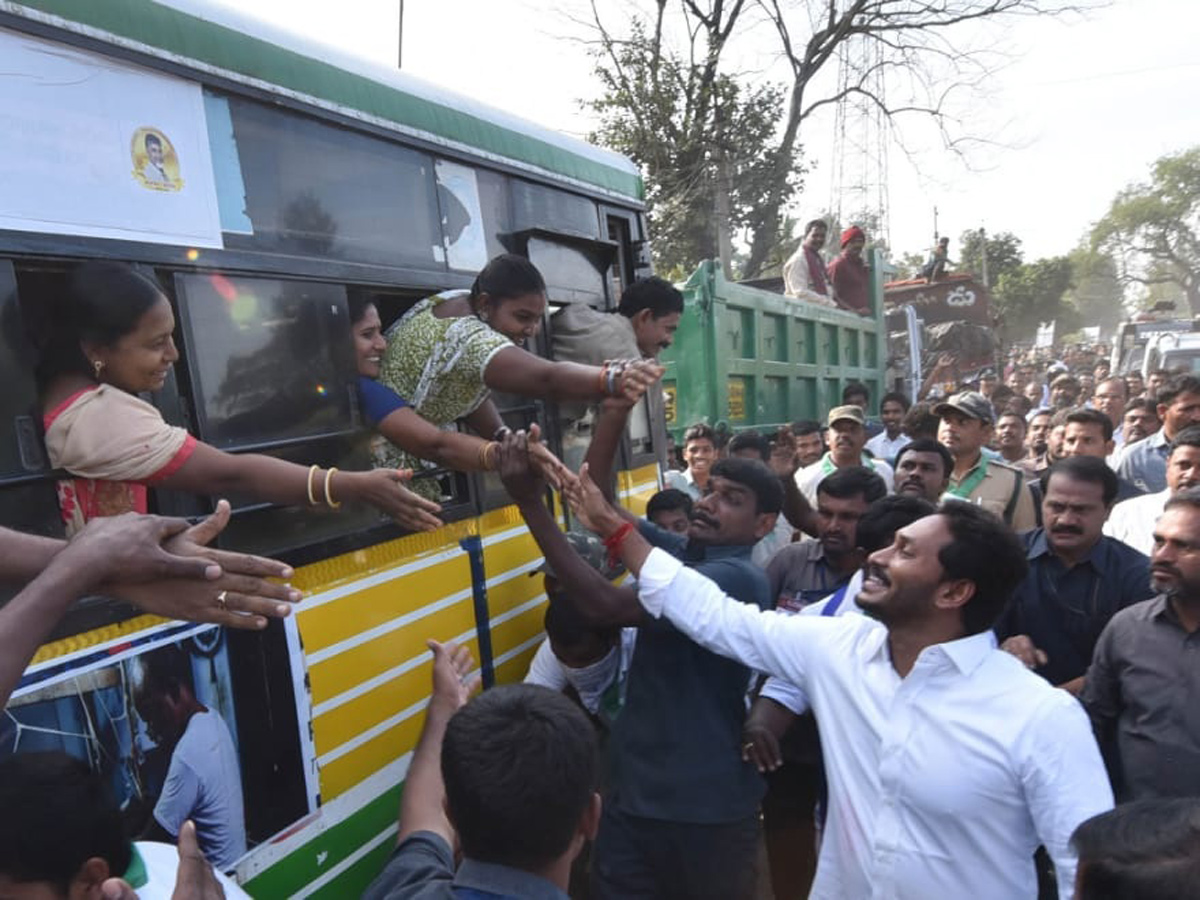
{"x":965,"y":430}
{"x":847,"y":436}
{"x":1077,"y":578}
{"x":923,"y":470}
{"x":1143,"y":682}
{"x":1145,"y":463}
{"x":1088,"y":432}
{"x":1132,"y":521}
{"x":681,"y":813}
{"x":1140,"y":421}
{"x":810,"y":441}
{"x":804,"y":272}
{"x":919,"y":805}
{"x":1010,"y":440}
{"x":849,"y":276}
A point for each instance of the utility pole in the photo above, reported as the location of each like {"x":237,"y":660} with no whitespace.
{"x":935,"y":228}
{"x":983,"y":255}
{"x":400,"y":39}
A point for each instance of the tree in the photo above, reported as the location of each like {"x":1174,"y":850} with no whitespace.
{"x":703,"y":141}
{"x":670,"y":104}
{"x":1153,"y":229}
{"x":1097,"y":294}
{"x":1004,"y":254}
{"x":1033,"y":293}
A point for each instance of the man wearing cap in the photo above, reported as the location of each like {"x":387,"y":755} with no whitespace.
{"x":966,"y":427}
{"x":846,"y":438}
{"x":848,"y":275}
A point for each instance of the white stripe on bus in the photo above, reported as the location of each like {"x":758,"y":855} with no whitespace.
{"x":317,"y":883}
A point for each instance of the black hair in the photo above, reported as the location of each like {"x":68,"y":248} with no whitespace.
{"x":1141,"y":403}
{"x":1013,"y":412}
{"x":877,"y":526}
{"x":700,"y":432}
{"x":813,"y":223}
{"x":1189,"y":497}
{"x":566,"y":627}
{"x":1173,"y":387}
{"x":855,"y":387}
{"x":166,"y":670}
{"x":928,"y":445}
{"x":1085,"y":416}
{"x":896,"y":397}
{"x":520,"y":767}
{"x":357,"y":304}
{"x":1001,"y":395}
{"x":1088,"y":469}
{"x":806,"y":426}
{"x":103,"y":302}
{"x":507,"y":276}
{"x":920,"y":421}
{"x":655,"y":294}
{"x":669,"y":500}
{"x":768,"y":491}
{"x":751,"y":440}
{"x":987,"y":553}
{"x":58,"y":816}
{"x":151,"y":138}
{"x":853,"y":481}
{"x":1187,"y":437}
{"x":1142,"y":849}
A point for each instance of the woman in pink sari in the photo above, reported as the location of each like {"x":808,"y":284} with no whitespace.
{"x":114,"y":340}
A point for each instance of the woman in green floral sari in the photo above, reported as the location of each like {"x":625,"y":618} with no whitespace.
{"x":450,"y":351}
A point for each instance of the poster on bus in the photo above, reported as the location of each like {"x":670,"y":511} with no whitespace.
{"x":92,"y":147}
{"x":181,"y":722}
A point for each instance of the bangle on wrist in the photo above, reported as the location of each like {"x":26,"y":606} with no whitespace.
{"x":488,"y":456}
{"x":312,"y":470}
{"x":329,"y":501}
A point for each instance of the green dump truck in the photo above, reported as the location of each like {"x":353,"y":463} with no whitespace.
{"x":746,"y":357}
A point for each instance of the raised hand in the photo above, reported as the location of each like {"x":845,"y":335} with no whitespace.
{"x":589,"y":505}
{"x":246,"y":598}
{"x":453,"y":683}
{"x":637,"y":377}
{"x":385,"y":490}
{"x":551,"y":469}
{"x":520,"y":477}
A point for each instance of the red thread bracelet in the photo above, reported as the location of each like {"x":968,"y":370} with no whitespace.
{"x":613,"y":542}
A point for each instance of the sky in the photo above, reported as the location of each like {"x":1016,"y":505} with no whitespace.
{"x":1082,"y":108}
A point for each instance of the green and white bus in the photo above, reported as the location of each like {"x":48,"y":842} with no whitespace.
{"x":284,"y":182}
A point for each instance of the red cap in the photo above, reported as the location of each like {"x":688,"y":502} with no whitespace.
{"x":851,"y":233}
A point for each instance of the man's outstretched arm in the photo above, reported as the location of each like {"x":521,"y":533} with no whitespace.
{"x":423,"y":803}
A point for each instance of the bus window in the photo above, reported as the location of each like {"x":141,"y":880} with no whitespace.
{"x":20,"y":451}
{"x":537,"y":206}
{"x":270,"y":360}
{"x":314,"y":189}
{"x":474,"y":212}
{"x":571,"y":274}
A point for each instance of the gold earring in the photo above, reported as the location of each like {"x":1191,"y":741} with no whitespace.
{"x":98,"y":365}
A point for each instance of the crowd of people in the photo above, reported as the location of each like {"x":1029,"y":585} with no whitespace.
{"x":944,"y":653}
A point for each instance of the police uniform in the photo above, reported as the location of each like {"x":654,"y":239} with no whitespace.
{"x":997,"y":487}
{"x":1002,"y":491}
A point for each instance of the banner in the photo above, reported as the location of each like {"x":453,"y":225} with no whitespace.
{"x":1045,"y":335}
{"x":94,"y":147}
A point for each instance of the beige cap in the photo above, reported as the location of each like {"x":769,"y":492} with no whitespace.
{"x":846,"y":413}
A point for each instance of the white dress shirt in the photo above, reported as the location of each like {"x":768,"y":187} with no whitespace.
{"x":1132,"y":521}
{"x":885,"y":448}
{"x":808,"y":478}
{"x":942,"y":783}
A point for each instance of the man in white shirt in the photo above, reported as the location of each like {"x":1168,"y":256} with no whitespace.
{"x":804,"y":272}
{"x":948,"y":761}
{"x":1132,"y":521}
{"x":204,"y":781}
{"x":846,"y":438}
{"x":890,"y":441}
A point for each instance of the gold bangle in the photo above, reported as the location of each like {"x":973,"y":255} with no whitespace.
{"x":329,"y":497}
{"x":486,"y":462}
{"x":312,"y":501}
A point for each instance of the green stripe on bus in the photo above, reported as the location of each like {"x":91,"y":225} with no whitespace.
{"x":355,"y":879}
{"x":301,"y":867}
{"x":216,"y":45}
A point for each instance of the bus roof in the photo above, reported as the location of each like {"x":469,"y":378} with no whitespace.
{"x":223,"y":42}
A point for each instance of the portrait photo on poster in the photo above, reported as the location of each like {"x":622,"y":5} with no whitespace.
{"x":155,"y":162}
